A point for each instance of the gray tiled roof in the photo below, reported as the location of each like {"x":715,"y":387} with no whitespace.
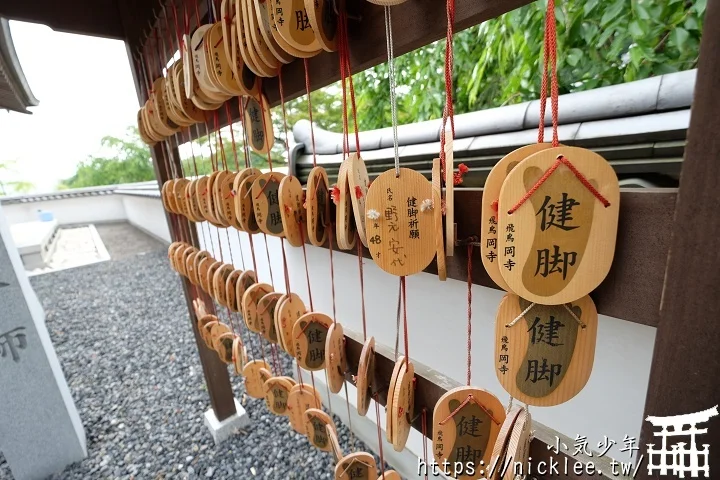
{"x":640,"y":127}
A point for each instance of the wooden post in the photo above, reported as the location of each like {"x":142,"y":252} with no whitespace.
{"x":216,"y":375}
{"x":685,"y":367}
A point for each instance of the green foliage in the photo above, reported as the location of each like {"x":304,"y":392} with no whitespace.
{"x":128,"y":162}
{"x":8,"y":187}
{"x":499,"y":62}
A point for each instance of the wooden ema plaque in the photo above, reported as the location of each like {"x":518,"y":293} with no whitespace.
{"x":499,"y":452}
{"x":546,"y":358}
{"x":171,"y":254}
{"x":389,"y":408}
{"x":247,"y":279}
{"x":216,"y":331}
{"x":403,"y":406}
{"x":344,"y":219}
{"x":288,"y":312}
{"x":259,"y":60}
{"x":491,"y":194}
{"x":293,"y":25}
{"x":209,"y":286}
{"x":469,"y":435}
{"x":266,"y":201}
{"x":257,"y":120}
{"x":323,"y":21}
{"x":256,"y":373}
{"x":250,"y":301}
{"x":302,"y":397}
{"x":365,"y":380}
{"x":194,"y":273}
{"x":224,"y":179}
{"x":559,"y":244}
{"x":310,"y":334}
{"x":264,"y":28}
{"x":292,"y":210}
{"x":226,"y":196}
{"x":231,"y":290}
{"x":266,"y":316}
{"x":276,"y":320}
{"x":239,"y":355}
{"x":317,"y":205}
{"x":359,"y":182}
{"x":437,"y":217}
{"x":335,"y":359}
{"x":245,"y":78}
{"x":277,"y":392}
{"x":198,"y":58}
{"x":168,"y":202}
{"x":244,"y":208}
{"x":181,"y":255}
{"x":291,"y":50}
{"x":219,"y":283}
{"x":359,"y":465}
{"x":402,"y":238}
{"x":519,"y":445}
{"x":221,"y":72}
{"x":315,"y":422}
{"x":225,"y":347}
{"x":335,"y":449}
{"x":262,"y":50}
{"x":204,"y":324}
{"x":190,"y":267}
{"x":193,"y":205}
{"x":180,"y":198}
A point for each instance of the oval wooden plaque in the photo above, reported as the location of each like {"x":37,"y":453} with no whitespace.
{"x":309,"y":334}
{"x":239,"y":355}
{"x":519,"y":445}
{"x":256,"y":373}
{"x":563,"y":237}
{"x":293,"y":24}
{"x":225,"y":347}
{"x":315,"y":421}
{"x":402,"y":239}
{"x":389,"y":409}
{"x":335,"y":448}
{"x":231,"y":290}
{"x":335,"y":358}
{"x":216,"y":331}
{"x":292,"y":210}
{"x":204,"y":324}
{"x":209,"y":285}
{"x":344,"y":219}
{"x":359,"y":182}
{"x":469,"y":436}
{"x":219,"y":282}
{"x":499,"y":452}
{"x":250,"y":301}
{"x":318,"y":206}
{"x":547,"y":357}
{"x":246,"y":280}
{"x":389,"y":475}
{"x":257,"y":120}
{"x":266,"y":201}
{"x":359,"y":465}
{"x":302,"y":397}
{"x":289,"y":312}
{"x":244,"y":207}
{"x":277,"y":392}
{"x":366,"y":376}
{"x":266,"y":316}
{"x":490,"y":204}
{"x":323,"y":22}
{"x":403,"y":406}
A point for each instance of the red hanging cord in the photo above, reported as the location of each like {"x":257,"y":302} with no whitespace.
{"x":309,"y":103}
{"x":469,"y":310}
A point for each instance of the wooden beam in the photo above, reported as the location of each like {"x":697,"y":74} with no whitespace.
{"x":632,"y":290}
{"x":86,"y":17}
{"x":217,"y":380}
{"x":686,"y":365}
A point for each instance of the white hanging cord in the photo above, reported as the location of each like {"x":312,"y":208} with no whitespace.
{"x":393,"y":85}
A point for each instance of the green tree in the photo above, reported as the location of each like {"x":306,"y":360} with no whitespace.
{"x":499,"y":62}
{"x":8,"y":187}
{"x":128,"y":162}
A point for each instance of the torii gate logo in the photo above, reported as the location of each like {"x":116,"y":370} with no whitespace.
{"x":676,"y":459}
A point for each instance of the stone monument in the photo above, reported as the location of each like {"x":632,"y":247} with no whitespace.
{"x":40,"y":429}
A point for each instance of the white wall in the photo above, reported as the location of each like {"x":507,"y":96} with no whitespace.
{"x":146,"y":213}
{"x":611,"y":403}
{"x":92,"y":209}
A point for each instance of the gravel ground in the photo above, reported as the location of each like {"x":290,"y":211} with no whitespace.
{"x":121,"y":332}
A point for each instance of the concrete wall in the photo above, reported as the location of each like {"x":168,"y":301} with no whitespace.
{"x":611,"y":403}
{"x":146,"y":213}
{"x":93,"y":209}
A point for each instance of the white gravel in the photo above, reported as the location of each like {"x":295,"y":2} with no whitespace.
{"x":122,"y":334}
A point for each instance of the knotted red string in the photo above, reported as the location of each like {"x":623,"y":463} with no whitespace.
{"x":564,"y":161}
{"x":549,"y":68}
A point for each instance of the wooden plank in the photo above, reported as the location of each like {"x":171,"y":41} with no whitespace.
{"x":431,"y":385}
{"x":632,"y":290}
{"x":87,"y":17}
{"x":215,"y":371}
{"x":685,"y":368}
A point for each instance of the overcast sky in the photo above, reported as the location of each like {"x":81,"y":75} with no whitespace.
{"x":85,"y":90}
